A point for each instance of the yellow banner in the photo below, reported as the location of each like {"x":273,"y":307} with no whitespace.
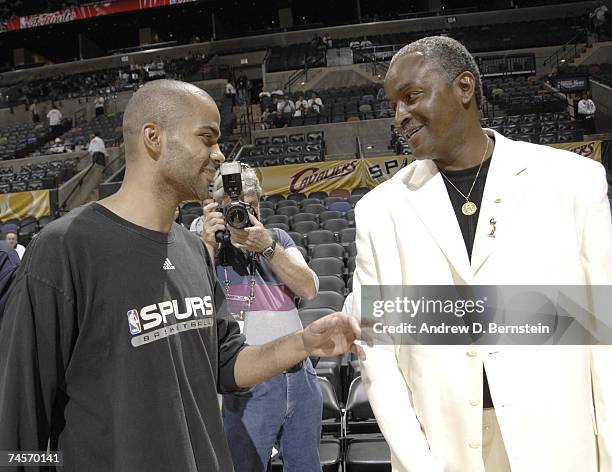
{"x":368,"y":172}
{"x":22,"y":204}
{"x":590,"y":149}
{"x":375,"y":170}
{"x":315,"y":176}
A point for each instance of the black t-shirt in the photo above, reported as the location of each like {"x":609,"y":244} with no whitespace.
{"x":463,"y":180}
{"x":114,"y":343}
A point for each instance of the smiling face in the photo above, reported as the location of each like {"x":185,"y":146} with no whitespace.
{"x":190,"y":152}
{"x":430,"y":110}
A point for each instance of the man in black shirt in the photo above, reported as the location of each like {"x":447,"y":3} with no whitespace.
{"x":116,"y":337}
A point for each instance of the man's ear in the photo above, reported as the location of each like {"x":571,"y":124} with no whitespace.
{"x":465,"y":86}
{"x":152,"y":139}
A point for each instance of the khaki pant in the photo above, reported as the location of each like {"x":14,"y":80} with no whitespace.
{"x":493,"y":449}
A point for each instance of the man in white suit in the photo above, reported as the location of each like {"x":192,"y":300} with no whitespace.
{"x":478,"y":209}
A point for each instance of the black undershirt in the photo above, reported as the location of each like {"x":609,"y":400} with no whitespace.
{"x":463,"y":180}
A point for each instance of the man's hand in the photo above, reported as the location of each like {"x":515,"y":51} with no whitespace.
{"x":333,"y":335}
{"x":213,"y":222}
{"x":255,"y":238}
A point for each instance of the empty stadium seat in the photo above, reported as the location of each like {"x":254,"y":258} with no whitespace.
{"x":330,"y":454}
{"x":298,"y":238}
{"x":319,"y":236}
{"x":315,"y":208}
{"x":328,"y":215}
{"x":265,"y":213}
{"x":327,"y":266}
{"x":318,"y":195}
{"x":332,"y":283}
{"x":286,"y":203}
{"x":324,"y":299}
{"x":368,"y":455}
{"x":342,"y":207}
{"x":347,"y":236}
{"x":298,"y":197}
{"x":335,"y":225}
{"x":275,"y":199}
{"x":328,"y":250}
{"x":304,"y":227}
{"x":288,"y":211}
{"x":278,"y":218}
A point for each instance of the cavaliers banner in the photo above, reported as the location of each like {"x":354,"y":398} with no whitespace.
{"x":311,"y":177}
{"x":328,"y":175}
{"x":591,"y":149}
{"x":368,"y":172}
{"x":21,"y":204}
{"x":84,"y":12}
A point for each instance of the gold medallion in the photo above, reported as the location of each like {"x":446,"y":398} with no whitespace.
{"x":468,"y":208}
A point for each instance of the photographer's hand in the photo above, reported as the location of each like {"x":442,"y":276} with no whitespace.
{"x":213,"y":222}
{"x":255,"y":238}
{"x":295,"y":274}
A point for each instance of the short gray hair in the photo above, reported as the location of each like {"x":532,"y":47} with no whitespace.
{"x":452,"y":57}
{"x":250,"y":182}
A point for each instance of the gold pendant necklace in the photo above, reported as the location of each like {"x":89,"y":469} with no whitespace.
{"x":469,"y":208}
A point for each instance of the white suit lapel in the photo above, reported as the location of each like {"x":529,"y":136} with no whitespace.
{"x":427,"y":194}
{"x":503,"y":193}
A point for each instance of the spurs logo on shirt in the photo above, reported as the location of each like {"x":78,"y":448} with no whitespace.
{"x":163,"y":319}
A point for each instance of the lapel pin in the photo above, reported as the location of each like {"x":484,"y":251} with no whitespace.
{"x":493,"y":224}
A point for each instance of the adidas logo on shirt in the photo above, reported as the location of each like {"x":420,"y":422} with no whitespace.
{"x":168,"y":265}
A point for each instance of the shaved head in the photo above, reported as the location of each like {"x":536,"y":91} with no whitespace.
{"x":163,"y":102}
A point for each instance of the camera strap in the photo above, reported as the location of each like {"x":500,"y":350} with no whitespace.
{"x":241,"y":298}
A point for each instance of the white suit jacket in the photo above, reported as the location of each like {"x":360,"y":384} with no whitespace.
{"x":553,"y":403}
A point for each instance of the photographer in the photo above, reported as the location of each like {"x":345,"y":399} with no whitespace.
{"x":261,"y":272}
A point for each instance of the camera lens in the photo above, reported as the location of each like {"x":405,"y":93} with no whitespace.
{"x":237,"y":216}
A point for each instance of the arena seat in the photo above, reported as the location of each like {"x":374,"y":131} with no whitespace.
{"x":328,"y":250}
{"x":298,"y":197}
{"x":282,"y":226}
{"x":324,"y":299}
{"x":319,"y":236}
{"x":308,"y":315}
{"x":273,"y":219}
{"x":328,"y":215}
{"x":302,"y":225}
{"x":335,"y":225}
{"x":286,"y":203}
{"x":289,"y":211}
{"x":332,"y":283}
{"x":327,"y":266}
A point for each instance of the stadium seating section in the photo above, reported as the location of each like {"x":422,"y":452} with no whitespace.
{"x":285,"y":149}
{"x":102,"y":82}
{"x":495,"y":37}
{"x":342,"y":104}
{"x":600,"y":72}
{"x":45,"y":175}
{"x":20,"y":140}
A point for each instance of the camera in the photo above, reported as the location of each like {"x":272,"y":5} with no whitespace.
{"x":236,"y":212}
